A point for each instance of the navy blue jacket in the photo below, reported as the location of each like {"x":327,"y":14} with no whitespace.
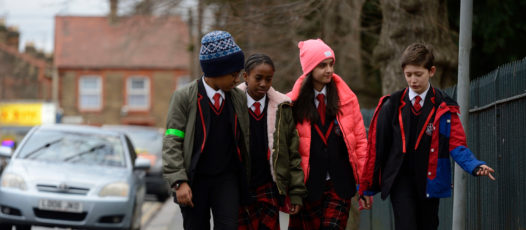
{"x":388,"y":143}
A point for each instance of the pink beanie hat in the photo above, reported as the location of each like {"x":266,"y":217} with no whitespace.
{"x":312,"y":52}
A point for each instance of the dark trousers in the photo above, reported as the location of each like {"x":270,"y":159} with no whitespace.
{"x":219,"y":193}
{"x":412,"y":210}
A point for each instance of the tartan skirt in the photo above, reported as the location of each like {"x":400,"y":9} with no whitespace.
{"x":330,"y":212}
{"x":263,"y":213}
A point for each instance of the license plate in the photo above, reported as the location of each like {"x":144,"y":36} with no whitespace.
{"x":60,"y":205}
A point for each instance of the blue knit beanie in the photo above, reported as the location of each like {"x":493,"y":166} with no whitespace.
{"x":220,"y":55}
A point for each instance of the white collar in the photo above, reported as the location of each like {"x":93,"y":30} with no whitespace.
{"x":251,"y":101}
{"x":210,"y":92}
{"x":413,"y":94}
{"x":323,"y":91}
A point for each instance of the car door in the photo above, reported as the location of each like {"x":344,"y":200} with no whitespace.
{"x":139,"y":185}
{"x":138,"y":175}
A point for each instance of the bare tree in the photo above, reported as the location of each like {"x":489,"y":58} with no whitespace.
{"x":408,"y":21}
{"x":275,"y":27}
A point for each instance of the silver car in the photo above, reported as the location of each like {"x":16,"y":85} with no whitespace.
{"x":148,"y":142}
{"x":73,"y":176}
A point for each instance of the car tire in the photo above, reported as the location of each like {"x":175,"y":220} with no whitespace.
{"x":23,"y":227}
{"x":161,"y":197}
{"x":164,"y":193}
{"x":136,"y":217}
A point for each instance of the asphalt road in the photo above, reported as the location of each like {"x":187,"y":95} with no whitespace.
{"x":150,"y":209}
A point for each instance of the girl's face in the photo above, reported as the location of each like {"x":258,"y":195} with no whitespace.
{"x":259,"y":80}
{"x":322,"y":74}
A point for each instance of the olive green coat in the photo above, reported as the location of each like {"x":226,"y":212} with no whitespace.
{"x":283,"y":140}
{"x":180,"y":125}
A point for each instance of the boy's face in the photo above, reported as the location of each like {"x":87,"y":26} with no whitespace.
{"x":226,"y":82}
{"x":322,"y":74}
{"x":259,"y":80}
{"x":417,"y":77}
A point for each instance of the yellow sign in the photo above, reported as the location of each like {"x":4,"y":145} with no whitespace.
{"x":25,"y":114}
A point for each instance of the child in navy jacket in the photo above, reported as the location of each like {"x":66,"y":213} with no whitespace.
{"x":411,"y":136}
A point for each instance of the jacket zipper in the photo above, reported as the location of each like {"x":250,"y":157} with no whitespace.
{"x":357,"y":177}
{"x":276,"y":158}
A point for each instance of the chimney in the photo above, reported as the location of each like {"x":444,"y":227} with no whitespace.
{"x":41,"y":54}
{"x":114,"y":6}
{"x":3,"y":31}
{"x":13,"y":37}
{"x":144,"y":7}
{"x":30,"y":49}
{"x":48,"y":58}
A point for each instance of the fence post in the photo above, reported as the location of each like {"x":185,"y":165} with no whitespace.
{"x":459,"y":197}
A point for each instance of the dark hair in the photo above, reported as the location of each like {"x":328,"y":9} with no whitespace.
{"x":418,"y":54}
{"x":304,"y":108}
{"x":257,"y":59}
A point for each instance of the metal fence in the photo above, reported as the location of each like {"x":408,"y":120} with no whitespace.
{"x":497,"y":135}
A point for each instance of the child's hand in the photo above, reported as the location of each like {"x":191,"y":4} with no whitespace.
{"x":184,"y":195}
{"x":366,"y":202}
{"x":485,"y":170}
{"x":294,"y":209}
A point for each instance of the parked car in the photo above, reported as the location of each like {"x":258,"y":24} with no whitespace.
{"x":73,"y":176}
{"x":148,"y":142}
{"x":5,"y":155}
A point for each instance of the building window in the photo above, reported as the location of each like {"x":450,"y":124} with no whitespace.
{"x":138,"y":93}
{"x":90,"y":92}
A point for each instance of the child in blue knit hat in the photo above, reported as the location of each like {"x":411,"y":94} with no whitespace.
{"x":205,"y":148}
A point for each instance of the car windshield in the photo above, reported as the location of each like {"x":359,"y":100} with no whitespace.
{"x":52,"y":145}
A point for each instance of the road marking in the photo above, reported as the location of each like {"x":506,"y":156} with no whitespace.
{"x":148,"y":211}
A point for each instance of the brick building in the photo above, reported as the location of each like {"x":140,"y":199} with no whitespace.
{"x":23,"y":75}
{"x":119,"y":72}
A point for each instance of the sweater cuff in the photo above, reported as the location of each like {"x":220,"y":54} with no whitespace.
{"x":173,"y":178}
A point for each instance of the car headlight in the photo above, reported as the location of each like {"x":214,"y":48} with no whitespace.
{"x":120,"y":189}
{"x":10,"y":180}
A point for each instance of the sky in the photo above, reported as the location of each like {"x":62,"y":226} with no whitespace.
{"x":35,"y":18}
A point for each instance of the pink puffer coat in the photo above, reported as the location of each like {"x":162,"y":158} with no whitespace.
{"x":350,"y":121}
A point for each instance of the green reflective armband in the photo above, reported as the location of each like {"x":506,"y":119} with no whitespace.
{"x":174,"y":132}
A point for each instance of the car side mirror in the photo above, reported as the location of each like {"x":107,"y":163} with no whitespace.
{"x":5,"y":151}
{"x":142,"y":164}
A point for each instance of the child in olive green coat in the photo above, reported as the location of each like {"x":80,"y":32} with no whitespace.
{"x":275,"y":161}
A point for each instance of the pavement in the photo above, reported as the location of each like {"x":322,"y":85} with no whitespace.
{"x":169,"y":218}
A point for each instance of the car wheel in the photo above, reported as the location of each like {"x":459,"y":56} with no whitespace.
{"x":6,"y":226}
{"x":23,"y":227}
{"x":164,"y":193}
{"x":161,"y":197}
{"x":135,"y":222}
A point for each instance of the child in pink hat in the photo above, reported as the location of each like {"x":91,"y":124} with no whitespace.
{"x":332,"y":139}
